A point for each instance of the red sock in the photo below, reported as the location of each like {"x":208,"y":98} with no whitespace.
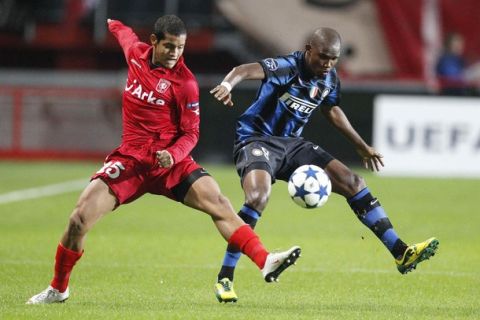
{"x":248,"y":242}
{"x":65,"y":259}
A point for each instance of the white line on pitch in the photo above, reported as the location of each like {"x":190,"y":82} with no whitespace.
{"x":114,"y":265}
{"x":43,"y":191}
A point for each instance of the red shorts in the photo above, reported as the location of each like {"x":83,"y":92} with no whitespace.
{"x":132,"y":173}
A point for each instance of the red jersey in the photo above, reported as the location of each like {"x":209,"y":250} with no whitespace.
{"x":160,"y":105}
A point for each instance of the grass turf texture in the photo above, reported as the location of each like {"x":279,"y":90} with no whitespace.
{"x":156,"y":259}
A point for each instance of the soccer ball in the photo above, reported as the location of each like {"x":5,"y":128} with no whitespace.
{"x":309,"y":186}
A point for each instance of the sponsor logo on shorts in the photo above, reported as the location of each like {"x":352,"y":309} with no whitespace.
{"x":257,"y":152}
{"x":262,"y":152}
{"x":266,"y":153}
{"x":315,"y":147}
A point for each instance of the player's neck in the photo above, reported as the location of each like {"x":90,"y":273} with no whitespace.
{"x":153,"y":65}
{"x":308,"y":72}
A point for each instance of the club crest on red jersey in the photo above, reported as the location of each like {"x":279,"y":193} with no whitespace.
{"x":163,"y":85}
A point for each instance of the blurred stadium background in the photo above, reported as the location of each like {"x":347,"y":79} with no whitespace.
{"x":62,"y":73}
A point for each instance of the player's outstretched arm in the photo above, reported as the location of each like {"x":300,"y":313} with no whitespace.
{"x":371,"y":158}
{"x":124,"y":34}
{"x":249,"y":71}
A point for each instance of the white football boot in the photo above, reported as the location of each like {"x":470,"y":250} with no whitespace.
{"x":49,"y":295}
{"x":277,"y":262}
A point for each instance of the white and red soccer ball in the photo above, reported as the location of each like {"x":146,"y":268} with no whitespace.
{"x":309,"y":186}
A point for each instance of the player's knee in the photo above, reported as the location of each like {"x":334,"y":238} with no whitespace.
{"x":77,"y":223}
{"x":258,"y":199}
{"x":356,"y":184}
{"x":350,"y":184}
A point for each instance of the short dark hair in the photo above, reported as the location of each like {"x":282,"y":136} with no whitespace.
{"x":169,"y":24}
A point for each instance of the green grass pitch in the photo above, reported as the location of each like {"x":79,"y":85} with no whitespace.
{"x":156,"y":259}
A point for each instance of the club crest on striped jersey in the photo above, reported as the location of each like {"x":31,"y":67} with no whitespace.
{"x":313,"y":92}
{"x":325,"y":93}
{"x":163,"y":85}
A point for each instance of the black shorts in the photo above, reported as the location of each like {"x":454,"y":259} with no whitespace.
{"x":280,"y":156}
{"x":181,"y":189}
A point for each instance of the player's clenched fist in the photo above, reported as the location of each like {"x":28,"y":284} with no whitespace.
{"x":164,"y":158}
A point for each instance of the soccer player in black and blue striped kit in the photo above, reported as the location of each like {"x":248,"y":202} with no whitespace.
{"x":269,"y":146}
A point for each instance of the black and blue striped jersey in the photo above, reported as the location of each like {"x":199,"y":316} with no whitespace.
{"x":286,"y":98}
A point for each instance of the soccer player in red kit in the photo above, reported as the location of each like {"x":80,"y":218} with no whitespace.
{"x":160,"y":128}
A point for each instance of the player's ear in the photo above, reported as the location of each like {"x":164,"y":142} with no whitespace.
{"x":153,"y":39}
{"x":308,"y":47}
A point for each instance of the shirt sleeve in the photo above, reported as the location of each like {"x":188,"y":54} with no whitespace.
{"x":124,"y":35}
{"x":189,"y":118}
{"x":279,"y":70}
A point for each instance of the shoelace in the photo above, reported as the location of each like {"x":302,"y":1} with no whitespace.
{"x":51,"y":294}
{"x":410,"y":252}
{"x":44,"y":295}
{"x":226,"y":285}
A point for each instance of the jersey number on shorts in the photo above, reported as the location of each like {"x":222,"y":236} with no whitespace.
{"x":112,"y":169}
